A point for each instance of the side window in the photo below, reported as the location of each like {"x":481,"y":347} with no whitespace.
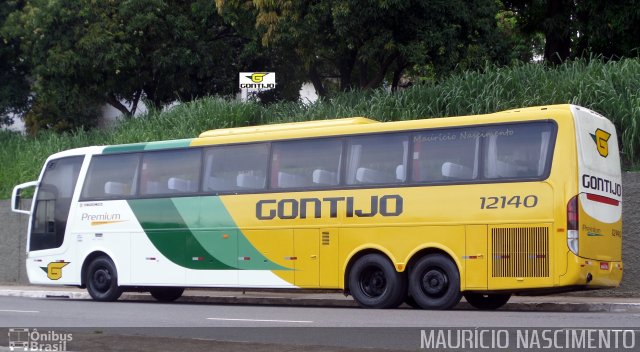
{"x":111,"y":177}
{"x":518,"y":151}
{"x":308,"y":164}
{"x":170,"y":172}
{"x":445,"y":155}
{"x":377,"y":159}
{"x":235,"y":167}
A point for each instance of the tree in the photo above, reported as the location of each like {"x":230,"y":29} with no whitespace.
{"x":608,"y":28}
{"x":344,"y":45}
{"x":14,"y":86}
{"x":123,"y":51}
{"x":574,"y":28}
{"x":552,"y":18}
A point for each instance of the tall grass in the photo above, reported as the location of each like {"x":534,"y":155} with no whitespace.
{"x":611,"y":88}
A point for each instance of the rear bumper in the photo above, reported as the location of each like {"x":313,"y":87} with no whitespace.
{"x":592,"y":273}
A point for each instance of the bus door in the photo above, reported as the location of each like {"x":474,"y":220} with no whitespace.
{"x":316,"y":257}
{"x":306,"y":244}
{"x":48,"y":222}
{"x":476,"y":266}
{"x":52,"y":203}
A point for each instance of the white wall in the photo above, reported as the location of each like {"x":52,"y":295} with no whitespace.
{"x":110,"y":114}
{"x":18,"y":125}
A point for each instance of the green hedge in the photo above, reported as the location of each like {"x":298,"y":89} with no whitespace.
{"x":611,"y":88}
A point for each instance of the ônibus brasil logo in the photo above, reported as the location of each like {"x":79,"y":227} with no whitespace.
{"x":601,"y":138}
{"x":22,"y":339}
{"x":257,"y":80}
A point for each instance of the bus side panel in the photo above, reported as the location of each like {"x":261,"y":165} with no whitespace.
{"x":401,"y":221}
{"x":193,"y":241}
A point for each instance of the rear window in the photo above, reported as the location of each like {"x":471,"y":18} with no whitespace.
{"x":518,"y":151}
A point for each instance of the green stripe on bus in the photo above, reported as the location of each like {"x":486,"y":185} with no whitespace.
{"x":124,"y":148}
{"x":178,"y":143}
{"x":138,"y":147}
{"x":169,"y":233}
{"x":213,"y":222}
{"x":197,"y":233}
{"x":211,"y":231}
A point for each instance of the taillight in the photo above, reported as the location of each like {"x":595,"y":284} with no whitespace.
{"x":572,"y":225}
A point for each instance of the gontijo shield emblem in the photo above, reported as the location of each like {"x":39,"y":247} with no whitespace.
{"x":54,"y":270}
{"x":601,"y":138}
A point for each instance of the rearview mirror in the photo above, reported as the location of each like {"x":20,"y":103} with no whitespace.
{"x":16,"y":199}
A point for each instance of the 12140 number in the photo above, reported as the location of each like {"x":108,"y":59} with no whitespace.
{"x":502,"y":202}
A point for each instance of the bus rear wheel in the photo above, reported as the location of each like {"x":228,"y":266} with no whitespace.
{"x":102,"y":280}
{"x":166,"y":294}
{"x":487,"y":301}
{"x":375,"y":283}
{"x":434,"y":282}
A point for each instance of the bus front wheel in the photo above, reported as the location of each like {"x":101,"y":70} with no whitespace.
{"x":375,"y":283}
{"x":434,"y":282}
{"x":487,"y":301}
{"x":102,"y":280}
{"x":166,"y":294}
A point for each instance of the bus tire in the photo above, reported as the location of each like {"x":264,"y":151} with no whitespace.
{"x":166,"y":294}
{"x":487,"y":301}
{"x":102,"y":280}
{"x":434,"y":282}
{"x":375,"y":283}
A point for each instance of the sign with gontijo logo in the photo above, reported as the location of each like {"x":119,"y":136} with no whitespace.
{"x":257,"y":80}
{"x":601,"y":139}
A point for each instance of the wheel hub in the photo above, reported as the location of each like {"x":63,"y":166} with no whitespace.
{"x":434,"y":282}
{"x":102,"y":279}
{"x":373,"y":282}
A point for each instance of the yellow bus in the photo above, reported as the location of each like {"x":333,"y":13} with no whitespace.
{"x":422,"y":212}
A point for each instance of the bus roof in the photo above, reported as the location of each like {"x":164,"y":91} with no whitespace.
{"x":360,"y":125}
{"x":290,"y":126}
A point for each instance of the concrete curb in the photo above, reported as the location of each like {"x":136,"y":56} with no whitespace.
{"x":45,"y":294}
{"x":304,"y":300}
{"x":571,"y":307}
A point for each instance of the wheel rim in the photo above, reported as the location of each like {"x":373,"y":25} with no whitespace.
{"x":373,"y":282}
{"x":102,"y":279}
{"x":435,"y":282}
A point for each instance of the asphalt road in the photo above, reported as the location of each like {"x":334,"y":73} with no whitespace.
{"x":308,"y":326}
